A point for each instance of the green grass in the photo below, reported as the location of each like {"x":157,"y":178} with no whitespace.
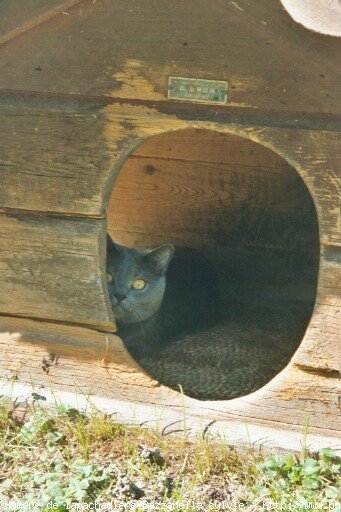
{"x":64,"y":458}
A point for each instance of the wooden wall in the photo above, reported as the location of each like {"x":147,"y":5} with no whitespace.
{"x":75,"y":101}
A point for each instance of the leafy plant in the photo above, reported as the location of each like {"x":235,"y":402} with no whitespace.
{"x":298,"y":485}
{"x":66,"y":456}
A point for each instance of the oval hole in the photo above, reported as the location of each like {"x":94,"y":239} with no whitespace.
{"x":249,"y":212}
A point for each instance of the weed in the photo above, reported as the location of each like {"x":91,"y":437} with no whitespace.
{"x":67,"y":457}
{"x":299,"y":483}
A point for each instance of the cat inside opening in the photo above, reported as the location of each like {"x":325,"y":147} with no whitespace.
{"x":160,"y":295}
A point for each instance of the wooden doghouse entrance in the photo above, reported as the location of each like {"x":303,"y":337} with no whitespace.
{"x":81,"y":95}
{"x":57,"y":330}
{"x":247,"y":210}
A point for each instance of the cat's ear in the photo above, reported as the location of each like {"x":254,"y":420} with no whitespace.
{"x":112,"y":247}
{"x":159,"y":259}
{"x":110,"y":243}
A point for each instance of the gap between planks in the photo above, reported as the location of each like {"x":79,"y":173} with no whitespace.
{"x":12,"y":212}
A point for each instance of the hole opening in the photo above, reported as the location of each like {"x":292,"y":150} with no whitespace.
{"x":250,"y":215}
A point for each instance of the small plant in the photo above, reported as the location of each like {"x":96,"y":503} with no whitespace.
{"x":299,"y":484}
{"x":63,"y":483}
{"x":38,"y":425}
{"x":66,"y":457}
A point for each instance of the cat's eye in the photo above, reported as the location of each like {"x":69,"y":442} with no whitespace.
{"x":139,"y":284}
{"x":110,"y":278}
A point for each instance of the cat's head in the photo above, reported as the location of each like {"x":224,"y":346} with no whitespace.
{"x":136,"y":280}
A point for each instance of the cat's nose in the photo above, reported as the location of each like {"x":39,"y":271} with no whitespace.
{"x":120,"y":295}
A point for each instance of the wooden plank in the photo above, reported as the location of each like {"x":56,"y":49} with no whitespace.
{"x":113,"y":136}
{"x":230,"y":114}
{"x":50,"y":269}
{"x":317,"y":157}
{"x":57,"y":156}
{"x":223,"y":205}
{"x":330,"y":276}
{"x":61,"y":340}
{"x":70,"y":357}
{"x":40,"y":148}
{"x":12,"y":16}
{"x":209,"y":146}
{"x":321,"y":348}
{"x":83,"y":151}
{"x":285,"y":402}
{"x":290,"y":68}
{"x":16,"y":18}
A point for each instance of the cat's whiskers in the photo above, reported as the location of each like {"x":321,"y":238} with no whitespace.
{"x":144,"y":323}
{"x":131,"y":307}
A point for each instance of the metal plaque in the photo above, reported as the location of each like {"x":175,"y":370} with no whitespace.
{"x":198,"y":90}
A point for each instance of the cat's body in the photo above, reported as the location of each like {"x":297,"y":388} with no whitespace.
{"x":180,"y":295}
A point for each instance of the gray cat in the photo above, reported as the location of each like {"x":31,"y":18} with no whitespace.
{"x":160,"y":295}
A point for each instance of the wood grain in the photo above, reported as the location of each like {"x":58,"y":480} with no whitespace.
{"x":224,"y":205}
{"x":289,"y":68}
{"x":200,"y":146}
{"x":50,"y":269}
{"x":321,"y":348}
{"x":318,"y":161}
{"x":83,"y":150}
{"x":57,"y":156}
{"x":16,"y":20}
{"x":69,"y":356}
{"x":285,"y":402}
{"x":215,"y":179}
{"x":241,"y":174}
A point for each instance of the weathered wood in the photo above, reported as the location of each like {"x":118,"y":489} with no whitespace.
{"x":231,"y":114}
{"x":62,"y":340}
{"x":83,"y":151}
{"x":321,"y":348}
{"x":195,"y":201}
{"x":16,"y":19}
{"x":63,"y":355}
{"x":50,"y":269}
{"x":317,"y":158}
{"x":291,"y":68}
{"x":68,"y":154}
{"x":57,"y":156}
{"x":208,"y":146}
{"x":313,"y":154}
{"x":286,"y":402}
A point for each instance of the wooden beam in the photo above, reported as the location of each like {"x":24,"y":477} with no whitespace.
{"x":51,"y":269}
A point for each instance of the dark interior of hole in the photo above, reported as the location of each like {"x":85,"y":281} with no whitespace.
{"x":247,"y":211}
